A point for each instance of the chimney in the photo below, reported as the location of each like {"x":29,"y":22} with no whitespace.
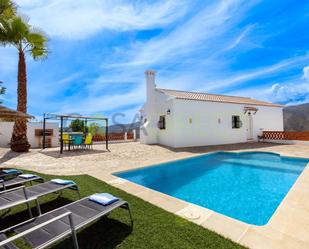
{"x":150,"y":90}
{"x":150,"y":81}
{"x":149,"y":128}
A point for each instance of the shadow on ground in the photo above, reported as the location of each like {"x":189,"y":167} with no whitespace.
{"x":108,"y":234}
{"x":9,"y":155}
{"x":71,"y":153}
{"x":8,"y":220}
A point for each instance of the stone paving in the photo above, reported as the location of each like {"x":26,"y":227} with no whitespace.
{"x":288,"y":228}
{"x":123,"y":156}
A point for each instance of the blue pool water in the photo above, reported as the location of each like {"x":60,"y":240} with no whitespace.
{"x":246,"y":186}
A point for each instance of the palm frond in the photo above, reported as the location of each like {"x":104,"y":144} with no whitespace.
{"x":2,"y":90}
{"x":19,"y":28}
{"x":14,"y":32}
{"x":18,"y":32}
{"x":5,"y":32}
{"x":7,"y":8}
{"x":37,"y":41}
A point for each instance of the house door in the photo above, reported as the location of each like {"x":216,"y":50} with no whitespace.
{"x":249,"y":126}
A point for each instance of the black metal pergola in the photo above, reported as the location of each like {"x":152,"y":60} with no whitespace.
{"x":63,"y":117}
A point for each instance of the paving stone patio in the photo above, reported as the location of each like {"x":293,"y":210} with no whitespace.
{"x":288,"y":228}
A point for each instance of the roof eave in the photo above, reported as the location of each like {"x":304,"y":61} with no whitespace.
{"x":232,"y":102}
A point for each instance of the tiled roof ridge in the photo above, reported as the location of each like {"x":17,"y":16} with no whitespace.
{"x":200,"y":96}
{"x":214,"y":94}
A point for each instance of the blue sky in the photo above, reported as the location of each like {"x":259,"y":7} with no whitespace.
{"x":99,"y":51}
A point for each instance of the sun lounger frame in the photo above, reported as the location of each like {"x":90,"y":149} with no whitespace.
{"x":4,"y":185}
{"x":73,"y":229}
{"x":72,"y":186}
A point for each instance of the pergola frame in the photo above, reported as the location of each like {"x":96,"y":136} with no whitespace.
{"x":62,"y":117}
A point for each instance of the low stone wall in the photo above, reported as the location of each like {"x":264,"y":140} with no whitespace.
{"x":124,"y":136}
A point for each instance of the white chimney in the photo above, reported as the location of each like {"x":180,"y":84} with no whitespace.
{"x":148,"y":133}
{"x":150,"y":82}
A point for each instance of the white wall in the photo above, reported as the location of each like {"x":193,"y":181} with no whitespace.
{"x":212,"y":123}
{"x":35,"y":141}
{"x":166,"y":136}
{"x":6,"y":129}
{"x":268,"y":119}
{"x":149,"y":112}
{"x":160,"y":104}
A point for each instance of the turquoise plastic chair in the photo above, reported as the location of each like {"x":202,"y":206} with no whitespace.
{"x":77,"y":141}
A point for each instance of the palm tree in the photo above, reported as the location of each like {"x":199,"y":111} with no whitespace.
{"x":17,"y":32}
{"x":2,"y":91}
{"x":7,"y":9}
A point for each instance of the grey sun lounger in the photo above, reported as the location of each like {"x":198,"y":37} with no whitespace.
{"x":16,"y":180}
{"x":23,"y":195}
{"x":51,"y":227}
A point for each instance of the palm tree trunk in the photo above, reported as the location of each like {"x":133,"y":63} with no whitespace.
{"x":19,"y":141}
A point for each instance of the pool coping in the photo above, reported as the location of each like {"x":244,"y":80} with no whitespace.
{"x":287,"y":228}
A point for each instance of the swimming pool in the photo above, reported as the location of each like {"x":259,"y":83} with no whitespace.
{"x":247,"y":186}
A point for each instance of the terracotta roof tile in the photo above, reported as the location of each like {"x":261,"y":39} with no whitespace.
{"x":215,"y":98}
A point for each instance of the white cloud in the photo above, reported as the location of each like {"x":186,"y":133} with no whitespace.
{"x":257,"y":73}
{"x":76,"y":19}
{"x":94,"y":104}
{"x":35,"y":88}
{"x":240,"y":37}
{"x":290,"y":92}
{"x":205,"y":31}
{"x":306,"y":72}
{"x":198,"y":32}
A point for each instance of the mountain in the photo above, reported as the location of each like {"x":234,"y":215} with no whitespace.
{"x":296,"y":118}
{"x":119,"y":128}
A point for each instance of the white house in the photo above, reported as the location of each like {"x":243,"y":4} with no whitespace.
{"x":183,"y":119}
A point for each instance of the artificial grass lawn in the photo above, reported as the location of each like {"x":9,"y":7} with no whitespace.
{"x":153,"y":226}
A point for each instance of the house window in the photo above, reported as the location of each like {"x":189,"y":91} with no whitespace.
{"x":161,"y":123}
{"x":236,"y":122}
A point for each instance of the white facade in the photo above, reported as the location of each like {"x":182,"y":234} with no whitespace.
{"x":191,"y":122}
{"x":150,"y":107}
{"x":6,"y":129}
